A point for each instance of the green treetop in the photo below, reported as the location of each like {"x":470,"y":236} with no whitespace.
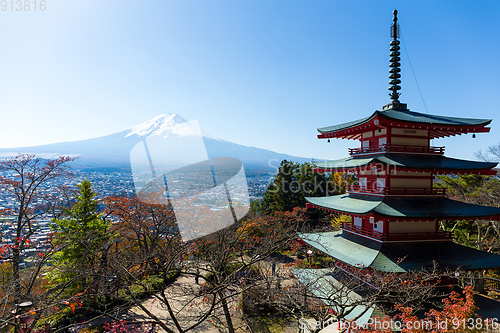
{"x":82,"y":238}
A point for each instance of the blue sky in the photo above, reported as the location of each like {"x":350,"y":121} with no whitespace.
{"x":262,"y":73}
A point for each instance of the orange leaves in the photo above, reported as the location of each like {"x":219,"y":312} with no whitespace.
{"x":71,"y":305}
{"x":457,"y":310}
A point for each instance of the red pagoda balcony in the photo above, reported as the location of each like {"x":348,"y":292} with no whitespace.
{"x":396,"y":191}
{"x":397,"y":237}
{"x":397,"y":149}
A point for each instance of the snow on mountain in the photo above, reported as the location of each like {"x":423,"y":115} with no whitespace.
{"x":165,"y":124}
{"x":158,"y":125}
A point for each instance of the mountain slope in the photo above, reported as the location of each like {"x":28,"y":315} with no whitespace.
{"x":113,"y":151}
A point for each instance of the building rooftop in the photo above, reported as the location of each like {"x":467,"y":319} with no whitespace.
{"x":425,"y":208}
{"x":408,"y":117}
{"x":414,"y":162}
{"x":399,"y":257}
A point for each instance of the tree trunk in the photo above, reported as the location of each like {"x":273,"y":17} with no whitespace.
{"x":17,"y":281}
{"x":227,"y":314}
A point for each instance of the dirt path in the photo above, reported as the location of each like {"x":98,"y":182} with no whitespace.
{"x":187,"y":308}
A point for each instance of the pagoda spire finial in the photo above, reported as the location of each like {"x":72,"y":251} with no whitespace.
{"x":394,"y":69}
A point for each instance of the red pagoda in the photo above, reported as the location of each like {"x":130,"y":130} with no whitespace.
{"x":395,"y":210}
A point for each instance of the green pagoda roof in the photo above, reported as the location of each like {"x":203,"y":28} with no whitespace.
{"x":325,"y":285}
{"x":411,"y":117}
{"x":424,"y":162}
{"x":359,"y":251}
{"x":404,"y":207}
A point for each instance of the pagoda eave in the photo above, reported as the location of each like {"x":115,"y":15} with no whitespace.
{"x":403,"y":208}
{"x":379,"y":121}
{"x":487,"y":172}
{"x":391,"y":218}
{"x":432,"y":164}
{"x":362,"y":252}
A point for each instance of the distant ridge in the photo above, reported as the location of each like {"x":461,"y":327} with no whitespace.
{"x":113,"y":151}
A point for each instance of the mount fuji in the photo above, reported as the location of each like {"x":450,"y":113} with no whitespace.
{"x":113,"y":151}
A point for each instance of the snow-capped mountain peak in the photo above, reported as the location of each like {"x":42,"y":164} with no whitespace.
{"x":161,"y":124}
{"x":168,"y":123}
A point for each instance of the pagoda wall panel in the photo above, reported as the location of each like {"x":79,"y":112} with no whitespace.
{"x":406,"y":141}
{"x":411,"y":183}
{"x":358,"y":221}
{"x":366,"y":223}
{"x":416,"y":226}
{"x":367,"y":135}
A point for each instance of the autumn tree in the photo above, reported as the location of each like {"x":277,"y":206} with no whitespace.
{"x":28,"y":181}
{"x":475,"y":189}
{"x":147,"y":232}
{"x":457,"y":315}
{"x":492,"y":153}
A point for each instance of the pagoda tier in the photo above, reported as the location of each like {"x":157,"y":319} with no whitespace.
{"x":400,"y":218}
{"x":390,"y":163}
{"x":392,"y":174}
{"x":399,"y":257}
{"x":404,"y":123}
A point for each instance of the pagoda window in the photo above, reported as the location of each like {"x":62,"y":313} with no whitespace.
{"x":365,"y":144}
{"x":378,"y":226}
{"x":367,"y":134}
{"x":362,"y":182}
{"x":380,"y":182}
{"x":382,"y":141}
{"x":358,"y":221}
{"x":381,"y":131}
